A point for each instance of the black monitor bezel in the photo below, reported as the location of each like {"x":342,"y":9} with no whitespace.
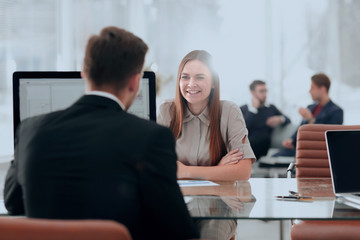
{"x":69,"y":74}
{"x":330,"y":138}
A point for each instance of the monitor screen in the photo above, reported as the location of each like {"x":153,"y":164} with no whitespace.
{"x":344,"y":158}
{"x":43,"y":92}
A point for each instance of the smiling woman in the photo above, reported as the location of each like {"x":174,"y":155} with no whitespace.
{"x":211,"y":137}
{"x":195,"y":85}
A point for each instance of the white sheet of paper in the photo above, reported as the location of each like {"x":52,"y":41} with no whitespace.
{"x":195,"y":183}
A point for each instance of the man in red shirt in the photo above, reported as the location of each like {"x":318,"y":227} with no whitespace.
{"x":323,"y":111}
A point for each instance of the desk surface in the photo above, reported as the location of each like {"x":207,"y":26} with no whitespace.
{"x":255,"y":199}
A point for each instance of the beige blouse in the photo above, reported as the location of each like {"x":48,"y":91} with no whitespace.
{"x":192,"y":146}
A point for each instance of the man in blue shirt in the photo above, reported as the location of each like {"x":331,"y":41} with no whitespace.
{"x":261,"y":118}
{"x":323,"y":111}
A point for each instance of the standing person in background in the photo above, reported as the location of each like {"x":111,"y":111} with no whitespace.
{"x":323,"y":111}
{"x":261,"y":118}
{"x":94,"y":160}
{"x":211,"y":136}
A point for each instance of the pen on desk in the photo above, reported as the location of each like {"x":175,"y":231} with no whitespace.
{"x":295,"y":197}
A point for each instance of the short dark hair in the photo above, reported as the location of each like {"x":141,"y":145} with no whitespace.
{"x":321,"y":80}
{"x":113,"y":56}
{"x":255,"y":83}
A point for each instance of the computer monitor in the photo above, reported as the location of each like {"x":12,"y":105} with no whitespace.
{"x":37,"y":93}
{"x":344,"y":159}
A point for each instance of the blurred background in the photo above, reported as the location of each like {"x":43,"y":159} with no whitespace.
{"x":283,"y":42}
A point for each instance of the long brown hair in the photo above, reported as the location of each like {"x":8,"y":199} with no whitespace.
{"x":217,"y":147}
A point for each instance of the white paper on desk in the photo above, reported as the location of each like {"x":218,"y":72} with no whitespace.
{"x":195,"y":183}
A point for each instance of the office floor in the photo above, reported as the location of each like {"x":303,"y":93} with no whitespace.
{"x":246,"y":230}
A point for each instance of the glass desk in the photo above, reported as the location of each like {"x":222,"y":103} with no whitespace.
{"x":255,"y":199}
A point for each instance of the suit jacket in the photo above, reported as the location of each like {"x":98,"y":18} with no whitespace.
{"x":256,"y":122}
{"x":95,"y":161}
{"x":329,"y":114}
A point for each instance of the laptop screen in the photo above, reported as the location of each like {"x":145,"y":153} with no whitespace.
{"x":344,"y":158}
{"x":37,"y":93}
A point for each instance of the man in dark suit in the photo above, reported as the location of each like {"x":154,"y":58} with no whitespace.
{"x":323,"y":111}
{"x":261,"y":118}
{"x":93,"y":160}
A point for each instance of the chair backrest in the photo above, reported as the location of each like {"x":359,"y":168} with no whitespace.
{"x":311,"y":154}
{"x":41,"y":229}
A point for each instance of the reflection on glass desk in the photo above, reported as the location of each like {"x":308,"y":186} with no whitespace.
{"x":255,"y":199}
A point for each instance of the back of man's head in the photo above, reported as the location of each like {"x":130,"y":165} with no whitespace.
{"x":255,"y":83}
{"x":321,"y":80}
{"x":113,"y":56}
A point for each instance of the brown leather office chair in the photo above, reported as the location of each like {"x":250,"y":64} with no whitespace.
{"x":41,"y":229}
{"x":311,"y":154}
{"x":312,"y":162}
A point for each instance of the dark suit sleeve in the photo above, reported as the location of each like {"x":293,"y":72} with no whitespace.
{"x":163,"y":202}
{"x":333,"y":116}
{"x":337,"y":117}
{"x":12,"y":190}
{"x":278,"y":113}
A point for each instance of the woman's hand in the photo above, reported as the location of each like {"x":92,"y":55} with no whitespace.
{"x":232,"y":157}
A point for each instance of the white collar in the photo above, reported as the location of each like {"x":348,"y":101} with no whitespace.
{"x":107,"y":95}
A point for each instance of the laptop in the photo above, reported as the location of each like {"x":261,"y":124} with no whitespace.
{"x":343,"y":147}
{"x":37,"y":93}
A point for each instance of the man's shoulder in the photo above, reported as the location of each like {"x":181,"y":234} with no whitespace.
{"x":334,"y":106}
{"x":270,"y":105}
{"x":39,"y":119}
{"x":244,"y":107}
{"x":117,"y":121}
